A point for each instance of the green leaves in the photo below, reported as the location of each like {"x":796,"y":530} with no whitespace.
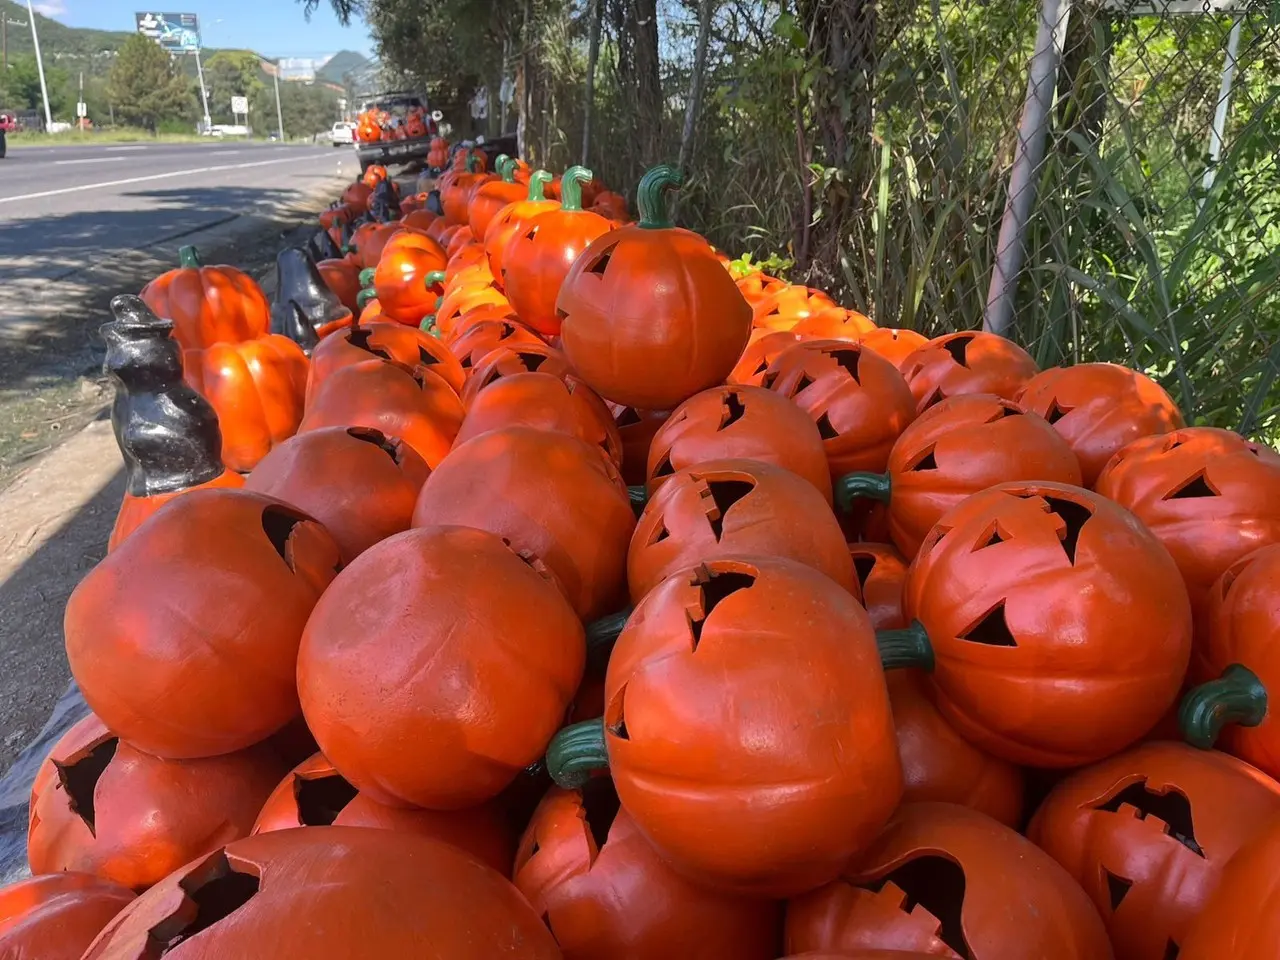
{"x":146,"y":88}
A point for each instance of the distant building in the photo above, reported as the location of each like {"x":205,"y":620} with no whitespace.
{"x":300,"y":68}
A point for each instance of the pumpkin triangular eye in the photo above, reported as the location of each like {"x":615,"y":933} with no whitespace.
{"x":863,"y":565}
{"x":803,"y":383}
{"x":214,"y":890}
{"x":994,"y":536}
{"x":723,"y":494}
{"x":278,"y":523}
{"x":426,"y":357}
{"x":664,"y":468}
{"x":80,"y":780}
{"x":532,"y":233}
{"x":847,"y":360}
{"x":1196,"y":486}
{"x":734,"y":410}
{"x":1171,"y":808}
{"x":628,"y":417}
{"x":926,"y":462}
{"x":615,"y":716}
{"x":532,"y":361}
{"x":1117,"y":887}
{"x":717,"y":588}
{"x":958,"y":347}
{"x":825,"y":429}
{"x":1056,"y":411}
{"x":601,"y":263}
{"x":992,"y":630}
{"x":1005,"y":409}
{"x":321,"y":799}
{"x":660,"y":534}
{"x":935,"y":398}
{"x":1074,"y":517}
{"x":600,"y":806}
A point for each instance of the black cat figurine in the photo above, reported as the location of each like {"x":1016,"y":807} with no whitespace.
{"x":323,"y":247}
{"x":384,"y":204}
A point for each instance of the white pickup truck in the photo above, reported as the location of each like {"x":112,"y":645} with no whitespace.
{"x":343,"y":134}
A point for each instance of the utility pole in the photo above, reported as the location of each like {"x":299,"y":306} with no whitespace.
{"x":204,"y":93}
{"x":279,"y":112}
{"x":44,"y":88}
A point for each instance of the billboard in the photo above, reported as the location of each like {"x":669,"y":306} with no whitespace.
{"x":175,"y":32}
{"x":298,"y":68}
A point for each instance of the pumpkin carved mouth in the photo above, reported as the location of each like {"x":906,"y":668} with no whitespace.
{"x":719,"y":497}
{"x":80,"y":779}
{"x":214,"y":890}
{"x":930,"y":889}
{"x":321,"y":799}
{"x":718,"y":586}
{"x":1169,"y":809}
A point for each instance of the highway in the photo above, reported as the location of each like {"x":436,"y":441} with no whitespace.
{"x":65,"y":207}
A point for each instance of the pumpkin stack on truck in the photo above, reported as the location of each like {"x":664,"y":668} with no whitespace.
{"x":528,"y":579}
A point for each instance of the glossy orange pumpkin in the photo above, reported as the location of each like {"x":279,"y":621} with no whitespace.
{"x":1209,"y":495}
{"x":540,"y":490}
{"x":858,"y":399}
{"x":55,"y":917}
{"x":948,"y":881}
{"x":1237,"y":664}
{"x":370,"y":239}
{"x":459,"y":240}
{"x":463,"y":300}
{"x":407,"y":278}
{"x":413,"y":404}
{"x":937,"y":765}
{"x":183,"y":640}
{"x":509,"y":360}
{"x":649,"y":317}
{"x":1025,"y":574}
{"x":758,"y":287}
{"x":257,"y":389}
{"x":1148,"y":833}
{"x":748,"y":423}
{"x":314,"y":794}
{"x":541,"y":253}
{"x":956,"y":448}
{"x":637,"y":429}
{"x":834,"y":323}
{"x":604,"y":892}
{"x":727,"y":508}
{"x":544,"y":402}
{"x":894,"y":345}
{"x":208,"y":305}
{"x":330,"y":892}
{"x":388,"y":341}
{"x":491,"y":198}
{"x":102,"y":806}
{"x":611,"y":205}
{"x":968,"y":362}
{"x":358,"y":193}
{"x":762,"y":349}
{"x":343,"y":278}
{"x":881,"y":574}
{"x":1099,"y":408}
{"x":380,"y":685}
{"x":360,"y":484}
{"x":811,"y":766}
{"x":477,"y":339}
{"x":787,"y":304}
{"x":455,"y":195}
{"x":1242,"y":918}
{"x":508,"y":222}
{"x":374,"y":175}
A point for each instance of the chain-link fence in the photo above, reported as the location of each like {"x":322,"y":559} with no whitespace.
{"x":869,"y":148}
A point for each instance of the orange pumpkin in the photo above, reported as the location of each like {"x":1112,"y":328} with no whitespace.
{"x":637,"y":429}
{"x":894,"y":345}
{"x":464,"y":299}
{"x":381,"y":692}
{"x":507,"y":223}
{"x":763,"y":348}
{"x":390,"y":341}
{"x":100,"y":805}
{"x":649,"y":317}
{"x":374,"y":175}
{"x":455,"y":195}
{"x":479,"y":336}
{"x":508,"y":360}
{"x":343,"y":278}
{"x":208,"y":305}
{"x":788,"y":305}
{"x":407,"y":279}
{"x":314,"y":794}
{"x":1241,"y":919}
{"x":491,"y":198}
{"x":56,"y":917}
{"x":967,"y":362}
{"x":834,"y":323}
{"x":611,"y":205}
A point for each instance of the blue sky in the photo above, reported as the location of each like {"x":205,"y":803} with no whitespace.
{"x":274,"y":28}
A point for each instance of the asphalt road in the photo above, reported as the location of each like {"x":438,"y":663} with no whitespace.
{"x":62,"y":208}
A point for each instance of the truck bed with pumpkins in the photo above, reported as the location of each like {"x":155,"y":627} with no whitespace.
{"x":394,"y":128}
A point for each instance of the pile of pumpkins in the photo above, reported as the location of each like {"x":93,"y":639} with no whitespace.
{"x":524,"y":582}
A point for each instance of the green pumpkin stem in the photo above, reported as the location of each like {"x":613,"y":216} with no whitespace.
{"x":471,"y":162}
{"x":571,"y":188}
{"x":506,"y":168}
{"x":433,"y":278}
{"x":189,"y":257}
{"x":538,"y":180}
{"x":1237,"y":696}
{"x":365,"y":295}
{"x":366,"y":276}
{"x":908,"y":647}
{"x":651,"y":196}
{"x":576,"y":752}
{"x":602,"y":634}
{"x":854,"y":486}
{"x":428,"y":325}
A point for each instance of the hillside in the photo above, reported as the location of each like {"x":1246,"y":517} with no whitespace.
{"x":340,"y":64}
{"x":73,"y":48}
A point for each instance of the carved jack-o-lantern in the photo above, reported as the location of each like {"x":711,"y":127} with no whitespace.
{"x":1147,"y":833}
{"x":967,"y":362}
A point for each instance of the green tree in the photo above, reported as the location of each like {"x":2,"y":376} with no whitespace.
{"x":22,"y":86}
{"x":233,"y":73}
{"x":146,"y":88}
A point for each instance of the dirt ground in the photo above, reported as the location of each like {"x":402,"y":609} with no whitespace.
{"x":60,"y":472}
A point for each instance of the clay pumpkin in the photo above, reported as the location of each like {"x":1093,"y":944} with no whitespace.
{"x":369,"y":241}
{"x":100,"y":805}
{"x":342,"y":277}
{"x":1025,"y":574}
{"x":967,"y":362}
{"x":762,"y":349}
{"x":1209,"y":495}
{"x":894,"y":345}
{"x":314,"y":794}
{"x":947,"y":881}
{"x":858,"y":399}
{"x":604,"y":892}
{"x":388,"y":341}
{"x":637,"y":429}
{"x":257,"y":388}
{"x":462,"y":300}
{"x":834,"y":323}
{"x":540,"y":491}
{"x":1242,"y":918}
{"x":382,"y":660}
{"x":812,"y":766}
{"x":725,"y":508}
{"x":408,"y":275}
{"x":491,"y":198}
{"x":881,"y":574}
{"x":649,"y":317}
{"x":1148,"y":833}
{"x":359,"y":483}
{"x":456,"y":194}
{"x":757,"y":287}
{"x":957,"y":448}
{"x":540,"y":254}
{"x":544,"y":402}
{"x":413,"y":404}
{"x":208,"y":305}
{"x":746,"y":423}
{"x":55,"y":917}
{"x":167,"y":433}
{"x":184,"y":639}
{"x":509,"y":360}
{"x":1099,"y":408}
{"x":478,"y":339}
{"x":787,"y":305}
{"x":937,"y":765}
{"x":503,"y":227}
{"x":330,"y":892}
{"x":1237,"y":664}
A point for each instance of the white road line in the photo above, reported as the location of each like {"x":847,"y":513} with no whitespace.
{"x":67,"y":163}
{"x":156,"y":176}
{"x":225,"y":153}
{"x":123,"y":149}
